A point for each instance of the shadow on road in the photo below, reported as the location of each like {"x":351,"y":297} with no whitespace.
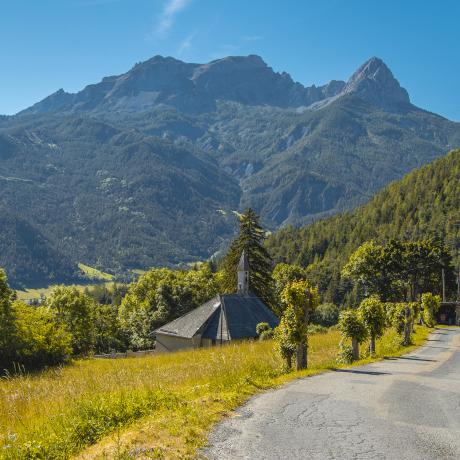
{"x":355,"y":371}
{"x":442,"y":348}
{"x":410,"y":358}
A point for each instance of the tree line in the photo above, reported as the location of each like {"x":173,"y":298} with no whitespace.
{"x":103,"y":319}
{"x":424,"y":204}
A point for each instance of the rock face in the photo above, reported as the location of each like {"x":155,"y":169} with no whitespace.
{"x":374,"y":82}
{"x":147,"y":167}
{"x":192,"y":88}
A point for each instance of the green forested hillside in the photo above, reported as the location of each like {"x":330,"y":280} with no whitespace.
{"x":29,"y":255}
{"x":425,"y":202}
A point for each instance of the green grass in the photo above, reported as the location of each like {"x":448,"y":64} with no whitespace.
{"x":94,"y":274}
{"x":90,"y":273}
{"x":159,"y":406}
{"x":28,"y":294}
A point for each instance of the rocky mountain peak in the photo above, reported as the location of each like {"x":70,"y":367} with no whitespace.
{"x":375,"y":82}
{"x":196,"y":88}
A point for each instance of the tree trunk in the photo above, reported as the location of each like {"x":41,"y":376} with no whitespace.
{"x":407,"y":327}
{"x":372,"y":345}
{"x":302,"y":347}
{"x":355,"y":348}
{"x":289,"y":361}
{"x":301,"y":355}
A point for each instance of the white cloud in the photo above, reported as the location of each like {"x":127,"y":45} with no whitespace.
{"x":167,"y":16}
{"x":186,"y":44}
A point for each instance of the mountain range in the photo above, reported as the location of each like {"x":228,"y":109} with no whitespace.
{"x":148,"y":167}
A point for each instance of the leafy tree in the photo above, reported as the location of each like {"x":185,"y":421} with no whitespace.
{"x":430,"y":306}
{"x":372,"y":314}
{"x":365,"y":268}
{"x":75,"y":309}
{"x":302,"y":299}
{"x":424,"y":204}
{"x":251,"y":239}
{"x":352,"y":327}
{"x":399,"y":270}
{"x":42,"y":340}
{"x":107,"y":295}
{"x":326,"y":314}
{"x":417,"y":265}
{"x":8,"y":332}
{"x":161,"y":295}
{"x":108,"y":331}
{"x":282,"y":275}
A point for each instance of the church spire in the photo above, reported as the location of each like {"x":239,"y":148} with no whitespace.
{"x":243,"y":274}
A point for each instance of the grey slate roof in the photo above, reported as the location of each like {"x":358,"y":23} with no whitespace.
{"x":223,"y":318}
{"x":191,"y":323}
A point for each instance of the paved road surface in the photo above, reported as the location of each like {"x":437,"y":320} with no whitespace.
{"x":399,"y":408}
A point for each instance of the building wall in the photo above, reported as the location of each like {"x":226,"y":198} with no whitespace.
{"x":170,"y":343}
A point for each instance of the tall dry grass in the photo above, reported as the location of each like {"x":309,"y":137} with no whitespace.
{"x":159,"y":406}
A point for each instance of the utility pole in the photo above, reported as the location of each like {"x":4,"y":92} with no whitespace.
{"x":443,"y":286}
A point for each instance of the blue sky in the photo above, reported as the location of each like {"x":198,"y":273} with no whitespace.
{"x":52,"y":44}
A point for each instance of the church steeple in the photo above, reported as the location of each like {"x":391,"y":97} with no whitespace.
{"x":243,"y":274}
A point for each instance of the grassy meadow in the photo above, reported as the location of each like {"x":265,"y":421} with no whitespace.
{"x":37,"y":293}
{"x":157,"y":406}
{"x":92,"y":274}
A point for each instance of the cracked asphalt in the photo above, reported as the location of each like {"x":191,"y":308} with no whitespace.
{"x":398,"y":408}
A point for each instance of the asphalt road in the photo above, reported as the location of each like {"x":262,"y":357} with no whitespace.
{"x":398,"y":408}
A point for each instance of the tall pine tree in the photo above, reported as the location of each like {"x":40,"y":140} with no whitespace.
{"x":251,"y":238}
{"x":8,"y":335}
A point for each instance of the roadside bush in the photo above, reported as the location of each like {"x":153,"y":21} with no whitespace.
{"x":403,"y":319}
{"x":351,"y":327}
{"x":317,"y":329}
{"x":264,"y":331}
{"x":345,"y":355}
{"x":389,"y":308}
{"x":430,"y":306}
{"x":266,"y":335}
{"x":372,"y":314}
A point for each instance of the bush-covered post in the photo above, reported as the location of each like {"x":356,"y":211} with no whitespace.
{"x":408,"y":319}
{"x":415,"y":307}
{"x":352,"y":327}
{"x":286,"y":336}
{"x":402,"y":320}
{"x":301,"y":300}
{"x":372,"y":315}
{"x":430,"y":305}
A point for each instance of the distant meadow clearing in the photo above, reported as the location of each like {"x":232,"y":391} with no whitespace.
{"x":158,"y":406}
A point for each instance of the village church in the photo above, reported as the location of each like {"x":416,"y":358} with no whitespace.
{"x":222,"y":319}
